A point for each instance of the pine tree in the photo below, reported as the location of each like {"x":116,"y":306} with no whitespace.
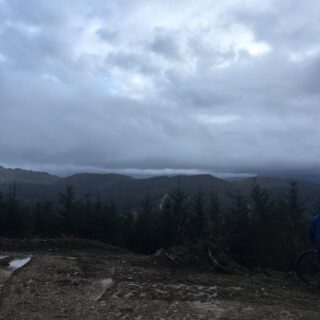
{"x":197,"y":219}
{"x":2,"y":214}
{"x":180,"y":212}
{"x":215,"y":213}
{"x":165,"y":226}
{"x":97,"y":219}
{"x":144,"y":227}
{"x":127,"y":229}
{"x":293,"y":209}
{"x":261,"y":215}
{"x":67,"y":209}
{"x":45,"y":220}
{"x":110,"y":221}
{"x":83,"y":224}
{"x":239,"y":230}
{"x":13,"y":213}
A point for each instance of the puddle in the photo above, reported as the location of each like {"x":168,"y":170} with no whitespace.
{"x":18,"y":263}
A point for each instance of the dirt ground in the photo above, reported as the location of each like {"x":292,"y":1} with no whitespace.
{"x":97,"y":284}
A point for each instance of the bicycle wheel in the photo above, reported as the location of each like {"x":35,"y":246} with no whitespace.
{"x":308,"y":268}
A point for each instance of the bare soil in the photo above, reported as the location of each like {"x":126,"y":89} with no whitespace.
{"x":103,"y":284}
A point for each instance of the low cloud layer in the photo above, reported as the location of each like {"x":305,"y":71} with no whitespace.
{"x":205,"y":86}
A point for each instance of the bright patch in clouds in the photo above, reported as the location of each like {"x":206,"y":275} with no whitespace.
{"x":50,"y":77}
{"x":218,"y":119}
{"x":2,"y":58}
{"x":89,"y":42}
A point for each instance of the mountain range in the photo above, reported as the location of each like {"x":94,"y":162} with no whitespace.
{"x":35,"y":186}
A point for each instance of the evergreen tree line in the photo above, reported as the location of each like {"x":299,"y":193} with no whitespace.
{"x":258,"y":231}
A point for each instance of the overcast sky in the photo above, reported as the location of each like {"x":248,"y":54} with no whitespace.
{"x":160,"y":86}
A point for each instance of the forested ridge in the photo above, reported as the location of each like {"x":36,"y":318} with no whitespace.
{"x":258,"y":230}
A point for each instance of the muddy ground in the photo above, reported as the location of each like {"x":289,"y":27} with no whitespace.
{"x":98,"y":284}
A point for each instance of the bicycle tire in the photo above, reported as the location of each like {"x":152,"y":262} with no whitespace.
{"x":308,"y":268}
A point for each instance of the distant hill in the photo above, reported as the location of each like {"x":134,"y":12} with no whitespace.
{"x":34,"y":186}
{"x":127,"y":190}
{"x":121,"y":188}
{"x":26,"y":176}
{"x":277,"y":186}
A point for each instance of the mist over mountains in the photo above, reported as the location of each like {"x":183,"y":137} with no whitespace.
{"x":35,"y":186}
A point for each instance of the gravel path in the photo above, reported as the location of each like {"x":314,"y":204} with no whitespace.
{"x":95,"y":284}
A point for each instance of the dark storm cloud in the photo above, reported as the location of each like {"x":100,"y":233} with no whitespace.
{"x":131,"y":86}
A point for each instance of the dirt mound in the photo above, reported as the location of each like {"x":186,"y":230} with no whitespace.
{"x":55,"y":244}
{"x":202,"y":254}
